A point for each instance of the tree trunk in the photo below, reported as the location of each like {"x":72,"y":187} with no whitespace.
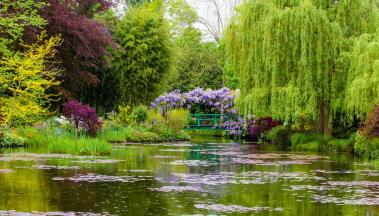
{"x":323,"y":125}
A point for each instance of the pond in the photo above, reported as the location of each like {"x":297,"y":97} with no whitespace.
{"x":202,"y":177}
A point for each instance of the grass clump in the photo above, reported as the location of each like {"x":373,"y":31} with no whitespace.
{"x":58,"y":141}
{"x":82,"y":145}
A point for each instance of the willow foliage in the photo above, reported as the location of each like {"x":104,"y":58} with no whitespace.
{"x":362,"y":86}
{"x":295,"y":58}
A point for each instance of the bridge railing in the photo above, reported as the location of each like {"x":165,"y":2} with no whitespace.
{"x":207,"y":120}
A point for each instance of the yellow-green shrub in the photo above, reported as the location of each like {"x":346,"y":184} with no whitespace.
{"x":178,"y":119}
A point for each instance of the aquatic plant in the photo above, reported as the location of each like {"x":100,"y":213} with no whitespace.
{"x":82,"y":145}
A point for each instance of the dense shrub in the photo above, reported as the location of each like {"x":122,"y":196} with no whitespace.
{"x":155,"y":119}
{"x":280,"y":135}
{"x":178,"y":119}
{"x":371,"y":126}
{"x":8,"y":139}
{"x":142,"y":136}
{"x":82,"y":116}
{"x":140,"y":114}
{"x":124,"y":116}
{"x":256,"y":128}
{"x":301,"y":138}
{"x":366,"y":147}
{"x":339,"y":145}
{"x":303,"y":122}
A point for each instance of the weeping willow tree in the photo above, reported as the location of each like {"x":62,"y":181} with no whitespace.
{"x":362,"y":86}
{"x":293,"y":57}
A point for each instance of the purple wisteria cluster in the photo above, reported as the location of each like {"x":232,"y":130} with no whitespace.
{"x":235,"y":127}
{"x":222,"y":100}
{"x":208,"y":101}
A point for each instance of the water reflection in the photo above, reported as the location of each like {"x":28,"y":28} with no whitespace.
{"x":202,"y":177}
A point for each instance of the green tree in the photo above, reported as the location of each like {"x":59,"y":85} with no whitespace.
{"x":143,"y":60}
{"x":362,"y":81}
{"x":290,"y":56}
{"x":134,"y":3}
{"x":25,"y":80}
{"x":15,"y":16}
{"x":196,"y":62}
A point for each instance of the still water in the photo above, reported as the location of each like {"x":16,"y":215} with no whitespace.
{"x":201,"y":177}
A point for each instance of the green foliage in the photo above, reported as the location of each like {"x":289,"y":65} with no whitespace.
{"x":25,"y":79}
{"x":319,"y":142}
{"x":155,"y":119}
{"x":280,"y":135}
{"x":82,"y":145}
{"x":366,"y":147}
{"x":339,"y":145}
{"x":143,"y":136}
{"x":304,"y":123}
{"x":196,"y":62}
{"x":114,"y":133}
{"x":156,"y":134}
{"x":9,"y":139}
{"x":178,"y":119}
{"x":301,"y":138}
{"x":140,"y":114}
{"x":362,"y":81}
{"x":124,"y":115}
{"x":136,"y":2}
{"x":65,"y":143}
{"x":294,"y":57}
{"x":182,"y":17}
{"x":280,"y":76}
{"x":143,"y":59}
{"x":15,"y":17}
{"x":197,"y":66}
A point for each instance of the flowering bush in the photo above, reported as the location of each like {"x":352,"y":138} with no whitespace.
{"x":234,"y":127}
{"x":82,"y":117}
{"x":221,"y":100}
{"x":257,"y":127}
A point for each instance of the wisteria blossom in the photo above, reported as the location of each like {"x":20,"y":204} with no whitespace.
{"x":218,"y":101}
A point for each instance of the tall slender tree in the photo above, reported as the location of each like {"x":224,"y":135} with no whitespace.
{"x":144,"y":57}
